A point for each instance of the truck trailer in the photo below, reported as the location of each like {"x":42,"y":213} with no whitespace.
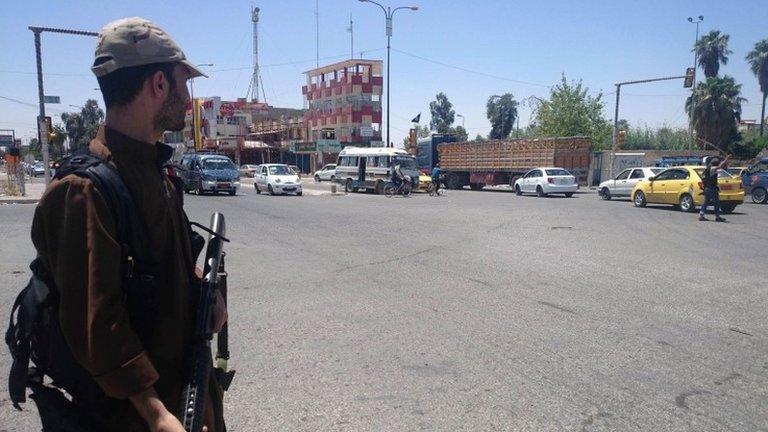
{"x":484,"y":163}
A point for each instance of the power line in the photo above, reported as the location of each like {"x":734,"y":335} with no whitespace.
{"x":470,"y":70}
{"x":294,"y":62}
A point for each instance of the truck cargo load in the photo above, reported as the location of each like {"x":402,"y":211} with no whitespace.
{"x":481,"y":163}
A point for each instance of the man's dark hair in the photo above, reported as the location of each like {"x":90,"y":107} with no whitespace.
{"x":121,"y":87}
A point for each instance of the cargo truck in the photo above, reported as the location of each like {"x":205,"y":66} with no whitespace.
{"x":484,"y":163}
{"x":426,"y":150}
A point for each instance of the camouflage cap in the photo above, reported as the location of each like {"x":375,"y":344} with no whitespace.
{"x":136,"y":41}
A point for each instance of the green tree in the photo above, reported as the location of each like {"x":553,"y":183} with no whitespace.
{"x":56,"y":144}
{"x":479,"y":138}
{"x":423,"y":131}
{"x":758,"y":63}
{"x":716,"y":111}
{"x":501,"y":112}
{"x":570,"y":111}
{"x":442,"y":113}
{"x":712,"y":50}
{"x":83,"y":126}
{"x":460,"y":133}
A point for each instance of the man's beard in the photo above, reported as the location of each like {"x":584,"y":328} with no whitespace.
{"x":172,"y":113}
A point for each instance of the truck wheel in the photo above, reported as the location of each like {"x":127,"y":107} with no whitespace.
{"x":476,"y":186}
{"x":348,"y":186}
{"x":518,"y":192}
{"x":759,"y":195}
{"x":540,"y":192}
{"x":605,"y":194}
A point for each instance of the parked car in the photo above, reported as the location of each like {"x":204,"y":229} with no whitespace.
{"x":248,"y":170}
{"x":755,"y":180}
{"x":207,"y":172}
{"x":277,"y":179}
{"x":37,"y":170}
{"x":545,"y":181}
{"x":622,"y":185}
{"x":326,"y":173}
{"x":683,"y":187}
{"x":736,"y":171}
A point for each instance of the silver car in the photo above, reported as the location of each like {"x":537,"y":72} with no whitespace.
{"x":326,"y":173}
{"x":622,"y":185}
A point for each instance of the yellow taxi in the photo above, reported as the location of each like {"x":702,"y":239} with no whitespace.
{"x":683,"y":187}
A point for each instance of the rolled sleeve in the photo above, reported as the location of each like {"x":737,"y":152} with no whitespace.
{"x":75,"y":232}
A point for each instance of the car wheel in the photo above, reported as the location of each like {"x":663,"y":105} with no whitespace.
{"x":232,"y":192}
{"x":271,"y":191}
{"x":639,"y":199}
{"x":333,"y":178}
{"x":568,"y":194}
{"x":686,"y":203}
{"x":605,"y":194}
{"x":258,"y":191}
{"x":317,"y":178}
{"x":727,"y":208}
{"x":348,"y":186}
{"x":759,"y":195}
{"x":299,"y":193}
{"x":540,"y":192}
{"x":518,"y":191}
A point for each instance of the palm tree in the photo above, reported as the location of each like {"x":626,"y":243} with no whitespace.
{"x":712,"y":50}
{"x":758,"y":62}
{"x":716,"y":110}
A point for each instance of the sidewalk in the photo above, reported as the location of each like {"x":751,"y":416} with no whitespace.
{"x":34,"y":192}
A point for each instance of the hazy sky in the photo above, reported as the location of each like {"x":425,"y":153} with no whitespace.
{"x":468,"y":49}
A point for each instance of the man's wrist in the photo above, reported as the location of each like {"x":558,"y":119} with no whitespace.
{"x":149,"y":405}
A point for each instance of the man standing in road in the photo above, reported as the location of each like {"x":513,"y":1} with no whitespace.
{"x":711,"y":190}
{"x":142,"y":74}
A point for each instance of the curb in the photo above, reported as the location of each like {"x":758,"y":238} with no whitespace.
{"x":19,"y":201}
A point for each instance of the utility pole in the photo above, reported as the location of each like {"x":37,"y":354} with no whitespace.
{"x":351,"y":31}
{"x":42,"y":131}
{"x":693,"y":87}
{"x":317,"y":33}
{"x":616,"y":111}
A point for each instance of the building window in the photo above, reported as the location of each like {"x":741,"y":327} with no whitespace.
{"x":328,"y":134}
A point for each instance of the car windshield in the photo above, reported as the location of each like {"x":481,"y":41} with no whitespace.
{"x":720,"y":173}
{"x":557,"y":172}
{"x":217,"y":164}
{"x":406,"y":163}
{"x":280,"y":170}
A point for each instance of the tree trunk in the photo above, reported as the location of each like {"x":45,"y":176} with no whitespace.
{"x":762,"y":114}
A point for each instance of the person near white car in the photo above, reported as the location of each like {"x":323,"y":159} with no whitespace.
{"x":546,"y":181}
{"x":277,"y":179}
{"x":622,"y":184}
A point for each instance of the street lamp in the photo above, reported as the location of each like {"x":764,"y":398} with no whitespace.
{"x":192,"y":98}
{"x":693,"y":87}
{"x":388,"y":13}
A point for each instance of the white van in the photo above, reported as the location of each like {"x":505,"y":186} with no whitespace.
{"x":371,"y":168}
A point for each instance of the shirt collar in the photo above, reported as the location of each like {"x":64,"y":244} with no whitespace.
{"x":124,"y":148}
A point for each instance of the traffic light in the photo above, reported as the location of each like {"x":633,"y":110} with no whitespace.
{"x":690,"y":76}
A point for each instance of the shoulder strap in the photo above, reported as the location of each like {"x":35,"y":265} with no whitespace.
{"x":130,"y":230}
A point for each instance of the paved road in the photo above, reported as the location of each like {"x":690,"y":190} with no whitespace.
{"x":481,"y":311}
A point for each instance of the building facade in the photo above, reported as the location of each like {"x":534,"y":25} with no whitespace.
{"x":344,"y":105}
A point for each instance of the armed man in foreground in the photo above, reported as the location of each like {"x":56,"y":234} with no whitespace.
{"x":133,"y":346}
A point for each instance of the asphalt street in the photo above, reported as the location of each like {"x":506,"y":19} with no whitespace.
{"x":478,"y":311}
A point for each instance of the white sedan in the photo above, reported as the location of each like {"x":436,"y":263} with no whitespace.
{"x":622,"y":185}
{"x":326,"y":173}
{"x":545,"y":181}
{"x":277,"y":179}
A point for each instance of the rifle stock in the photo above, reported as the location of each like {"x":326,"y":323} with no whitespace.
{"x":193,"y":395}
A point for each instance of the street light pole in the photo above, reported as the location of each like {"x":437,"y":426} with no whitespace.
{"x":693,"y":87}
{"x":388,"y":14}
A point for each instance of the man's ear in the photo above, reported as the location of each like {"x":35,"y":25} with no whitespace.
{"x":159,"y":85}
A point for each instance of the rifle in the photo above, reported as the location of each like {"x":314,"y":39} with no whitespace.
{"x":193,"y":395}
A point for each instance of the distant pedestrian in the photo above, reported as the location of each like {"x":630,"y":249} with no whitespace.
{"x":711,"y":191}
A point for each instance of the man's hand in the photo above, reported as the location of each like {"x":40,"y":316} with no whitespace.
{"x":152,"y":410}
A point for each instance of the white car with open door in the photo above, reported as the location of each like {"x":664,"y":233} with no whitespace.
{"x":622,"y":185}
{"x":546,"y":181}
{"x":326,"y":173}
{"x":277,"y":179}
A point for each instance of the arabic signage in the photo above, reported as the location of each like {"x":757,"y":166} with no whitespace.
{"x":328,"y":145}
{"x":303,"y":147}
